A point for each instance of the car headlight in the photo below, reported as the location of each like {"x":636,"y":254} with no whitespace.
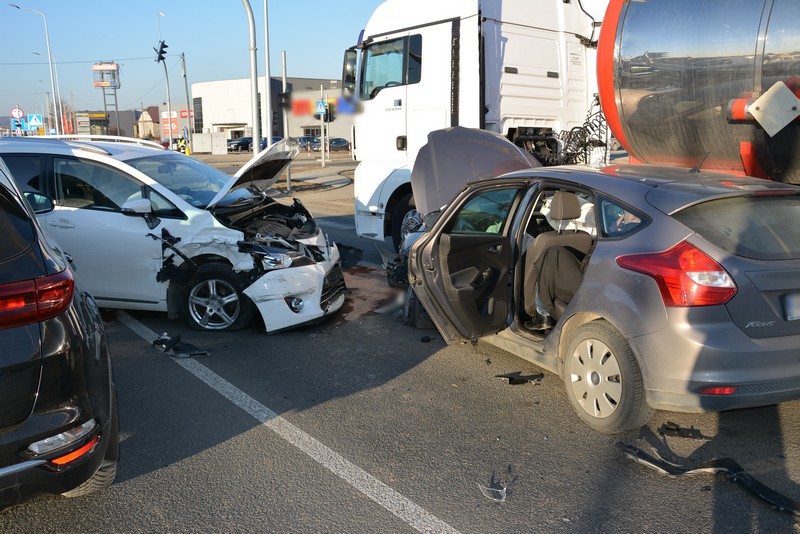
{"x":272,"y":261}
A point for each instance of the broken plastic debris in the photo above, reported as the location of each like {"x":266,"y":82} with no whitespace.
{"x":178,"y":349}
{"x":674,"y":429}
{"x":733,"y":471}
{"x":496,"y":494}
{"x":497,"y":490}
{"x":516,"y":378}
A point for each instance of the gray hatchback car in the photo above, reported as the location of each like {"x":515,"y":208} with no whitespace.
{"x":690,"y":291}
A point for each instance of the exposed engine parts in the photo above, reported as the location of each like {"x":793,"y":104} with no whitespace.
{"x":581,"y":144}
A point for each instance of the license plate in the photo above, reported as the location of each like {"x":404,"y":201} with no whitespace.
{"x":791,"y":307}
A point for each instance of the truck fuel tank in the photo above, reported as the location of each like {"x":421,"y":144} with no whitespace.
{"x":710,"y":83}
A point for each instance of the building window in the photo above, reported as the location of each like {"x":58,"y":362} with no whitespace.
{"x":197,"y":104}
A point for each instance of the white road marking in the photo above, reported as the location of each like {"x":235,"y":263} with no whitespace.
{"x":403,"y":508}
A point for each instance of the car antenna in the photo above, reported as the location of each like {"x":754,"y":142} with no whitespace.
{"x":696,"y":168}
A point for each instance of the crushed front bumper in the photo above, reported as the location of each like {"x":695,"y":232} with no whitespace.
{"x":320,"y":288}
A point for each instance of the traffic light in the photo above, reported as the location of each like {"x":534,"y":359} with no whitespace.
{"x":161,"y":51}
{"x":330,"y":116}
{"x":285,"y":100}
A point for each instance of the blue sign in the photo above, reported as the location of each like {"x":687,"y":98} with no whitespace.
{"x":319,"y":107}
{"x":19,"y":124}
{"x":35,"y":122}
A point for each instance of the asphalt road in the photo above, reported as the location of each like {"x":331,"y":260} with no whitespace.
{"x":361,"y":424}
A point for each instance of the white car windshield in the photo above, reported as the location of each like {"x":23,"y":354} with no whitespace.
{"x":193,"y":181}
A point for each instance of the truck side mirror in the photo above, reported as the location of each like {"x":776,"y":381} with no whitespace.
{"x":349,"y":73}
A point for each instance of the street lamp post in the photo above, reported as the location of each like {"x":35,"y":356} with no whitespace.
{"x":49,"y":59}
{"x":256,"y":144}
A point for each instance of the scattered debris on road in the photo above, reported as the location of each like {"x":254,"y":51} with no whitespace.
{"x":732,"y":470}
{"x":517,"y":378}
{"x":498,"y":489}
{"x":675,"y":430}
{"x":177,"y":348}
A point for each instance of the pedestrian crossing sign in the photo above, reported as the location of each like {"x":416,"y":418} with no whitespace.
{"x":319,"y":107}
{"x":35,"y":121}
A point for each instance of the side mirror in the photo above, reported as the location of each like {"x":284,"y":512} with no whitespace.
{"x":349,"y":73}
{"x":137,"y":206}
{"x":39,"y":202}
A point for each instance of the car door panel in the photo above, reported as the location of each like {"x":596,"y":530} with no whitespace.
{"x":462,"y":272}
{"x":476,"y":266}
{"x":88,"y":225}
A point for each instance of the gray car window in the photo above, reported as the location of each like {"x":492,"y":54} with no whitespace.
{"x":485,"y":213}
{"x":759,"y":227}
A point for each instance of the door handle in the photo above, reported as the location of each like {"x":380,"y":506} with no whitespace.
{"x":61,"y":224}
{"x":401,"y":143}
{"x":496,"y":249}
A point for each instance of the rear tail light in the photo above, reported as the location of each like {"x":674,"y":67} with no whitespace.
{"x":36,"y":300}
{"x":718,"y":390}
{"x":686,"y":276}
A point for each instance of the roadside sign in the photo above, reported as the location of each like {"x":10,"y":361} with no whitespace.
{"x":319,"y":107}
{"x":17,"y":113}
{"x":35,"y":122}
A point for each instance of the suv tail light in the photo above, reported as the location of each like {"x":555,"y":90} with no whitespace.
{"x":686,"y":276}
{"x":36,"y":300}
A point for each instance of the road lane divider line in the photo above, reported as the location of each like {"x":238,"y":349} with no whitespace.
{"x":400,"y":506}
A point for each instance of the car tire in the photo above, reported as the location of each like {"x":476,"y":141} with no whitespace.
{"x":603,"y":381}
{"x":414,"y":313}
{"x":213,"y":300}
{"x":107,"y":472}
{"x":399,"y":212}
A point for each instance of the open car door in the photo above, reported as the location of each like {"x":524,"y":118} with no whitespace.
{"x":461,"y":268}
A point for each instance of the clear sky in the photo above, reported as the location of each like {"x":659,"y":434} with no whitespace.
{"x":213,"y":34}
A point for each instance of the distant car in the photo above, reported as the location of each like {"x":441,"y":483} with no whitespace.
{"x":240,"y":144}
{"x":689,"y":293}
{"x":263,"y":144}
{"x":335,"y":143}
{"x":58,"y":420}
{"x":151,"y":229}
{"x":305,"y":140}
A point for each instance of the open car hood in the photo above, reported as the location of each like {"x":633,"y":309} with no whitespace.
{"x":263,"y":170}
{"x":453,"y":157}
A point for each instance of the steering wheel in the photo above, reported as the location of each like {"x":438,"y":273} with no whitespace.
{"x":463,"y":225}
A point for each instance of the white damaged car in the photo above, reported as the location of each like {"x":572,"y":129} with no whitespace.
{"x":152,"y":229}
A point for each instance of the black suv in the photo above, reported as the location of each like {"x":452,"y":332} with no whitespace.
{"x":58,"y":412}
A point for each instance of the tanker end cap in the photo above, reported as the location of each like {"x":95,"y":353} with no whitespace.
{"x":775,"y":109}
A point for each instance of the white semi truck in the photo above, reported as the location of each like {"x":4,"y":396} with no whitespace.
{"x":523,"y":68}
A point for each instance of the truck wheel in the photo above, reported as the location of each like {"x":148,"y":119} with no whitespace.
{"x":603,"y":381}
{"x":107,"y":472}
{"x":405,"y":205}
{"x":213,"y":300}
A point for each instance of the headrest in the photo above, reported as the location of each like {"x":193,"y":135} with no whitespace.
{"x":565,"y":206}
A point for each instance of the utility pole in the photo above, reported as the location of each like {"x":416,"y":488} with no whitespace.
{"x":285,"y":120}
{"x":254,"y":104}
{"x":267,"y":80}
{"x":322,"y":127}
{"x":189,"y":113}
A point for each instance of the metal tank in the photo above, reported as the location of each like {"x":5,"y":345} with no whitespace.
{"x":714,"y":83}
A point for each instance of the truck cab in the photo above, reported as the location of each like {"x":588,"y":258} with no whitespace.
{"x":499,"y":65}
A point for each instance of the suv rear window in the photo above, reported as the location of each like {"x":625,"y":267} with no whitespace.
{"x":15,"y":227}
{"x":765,"y":227}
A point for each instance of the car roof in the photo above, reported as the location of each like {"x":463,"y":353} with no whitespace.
{"x":117,"y":150}
{"x":667,"y":188}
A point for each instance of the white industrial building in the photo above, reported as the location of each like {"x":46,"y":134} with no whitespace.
{"x":222,"y":109}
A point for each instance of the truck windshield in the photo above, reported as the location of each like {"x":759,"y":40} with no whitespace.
{"x":391,"y":63}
